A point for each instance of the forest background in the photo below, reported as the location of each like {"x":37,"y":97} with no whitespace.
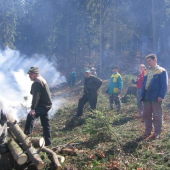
{"x":87,"y":33}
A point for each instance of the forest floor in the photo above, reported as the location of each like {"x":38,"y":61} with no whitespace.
{"x":105,"y":139}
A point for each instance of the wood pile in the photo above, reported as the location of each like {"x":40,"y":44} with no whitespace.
{"x":24,"y":148}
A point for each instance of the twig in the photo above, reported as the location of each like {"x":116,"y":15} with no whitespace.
{"x":64,"y":146}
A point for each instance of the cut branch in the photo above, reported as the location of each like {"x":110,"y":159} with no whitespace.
{"x":64,"y":146}
{"x":55,"y":157}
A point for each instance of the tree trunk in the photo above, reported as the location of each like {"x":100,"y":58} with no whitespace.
{"x":25,"y":142}
{"x":154,"y":43}
{"x":101,"y":37}
{"x":17,"y":152}
{"x":115,"y":6}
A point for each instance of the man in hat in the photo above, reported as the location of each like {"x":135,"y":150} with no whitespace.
{"x":41,"y":104}
{"x":91,"y":86}
{"x":3,"y":132}
{"x":114,"y":89}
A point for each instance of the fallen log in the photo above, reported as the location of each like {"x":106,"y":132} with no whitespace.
{"x":17,"y":153}
{"x":18,"y":133}
{"x":54,"y":156}
{"x":24,"y":142}
{"x":35,"y":158}
{"x":37,"y":142}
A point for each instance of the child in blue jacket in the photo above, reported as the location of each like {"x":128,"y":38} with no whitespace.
{"x":115,"y":87}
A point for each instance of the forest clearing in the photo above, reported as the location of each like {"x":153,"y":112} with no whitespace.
{"x":104,"y":140}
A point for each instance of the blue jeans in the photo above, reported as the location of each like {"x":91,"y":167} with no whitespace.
{"x":43,"y":114}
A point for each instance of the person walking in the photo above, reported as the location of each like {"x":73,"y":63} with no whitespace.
{"x":91,"y":87}
{"x":139,"y":83}
{"x":153,"y":92}
{"x":114,"y":89}
{"x":41,"y":104}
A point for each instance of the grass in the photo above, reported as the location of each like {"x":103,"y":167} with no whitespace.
{"x":111,"y":140}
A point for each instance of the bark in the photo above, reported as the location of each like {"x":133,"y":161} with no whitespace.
{"x":55,"y":157}
{"x":17,"y":152}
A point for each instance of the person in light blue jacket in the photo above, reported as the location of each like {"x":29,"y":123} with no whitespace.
{"x":153,"y":92}
{"x":73,"y":76}
{"x":114,"y":89}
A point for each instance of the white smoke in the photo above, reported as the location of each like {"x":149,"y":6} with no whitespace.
{"x":15,"y":83}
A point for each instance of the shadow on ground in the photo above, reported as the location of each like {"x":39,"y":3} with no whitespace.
{"x":122,"y":121}
{"x":131,"y":146}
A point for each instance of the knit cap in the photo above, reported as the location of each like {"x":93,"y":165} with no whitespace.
{"x":34,"y":70}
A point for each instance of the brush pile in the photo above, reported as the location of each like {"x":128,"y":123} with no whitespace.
{"x":25,"y":149}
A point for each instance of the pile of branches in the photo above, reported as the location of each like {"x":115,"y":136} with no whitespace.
{"x":24,"y":148}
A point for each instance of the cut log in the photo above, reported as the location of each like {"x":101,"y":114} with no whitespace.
{"x":17,"y":153}
{"x":37,"y":142}
{"x":25,"y":142}
{"x":18,"y":133}
{"x":35,"y":158}
{"x":55,"y":158}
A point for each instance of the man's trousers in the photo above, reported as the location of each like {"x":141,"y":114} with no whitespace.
{"x":152,"y":113}
{"x":43,"y":114}
{"x":89,"y":97}
{"x":115,"y":98}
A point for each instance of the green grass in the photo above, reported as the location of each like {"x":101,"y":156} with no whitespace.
{"x":110,"y":139}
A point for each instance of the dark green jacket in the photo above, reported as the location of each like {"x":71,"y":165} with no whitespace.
{"x":92,"y":84}
{"x":41,"y":94}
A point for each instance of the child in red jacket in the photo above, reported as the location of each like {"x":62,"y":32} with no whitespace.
{"x":138,"y":83}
